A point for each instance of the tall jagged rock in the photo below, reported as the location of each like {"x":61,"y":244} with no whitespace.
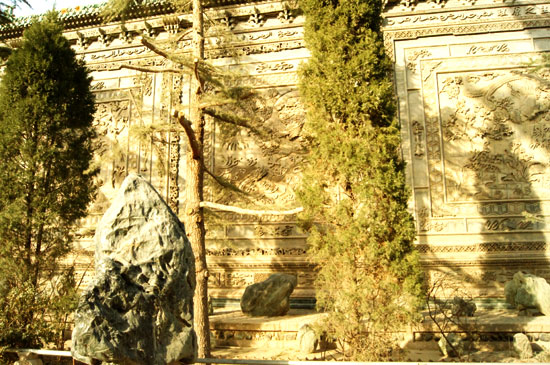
{"x":139,"y":308}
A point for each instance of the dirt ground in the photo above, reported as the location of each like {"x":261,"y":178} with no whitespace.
{"x":422,"y":351}
{"x":413,"y":355}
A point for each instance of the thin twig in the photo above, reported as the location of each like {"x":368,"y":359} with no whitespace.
{"x":154,"y":48}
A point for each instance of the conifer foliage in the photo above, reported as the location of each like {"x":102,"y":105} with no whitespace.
{"x":46,"y":146}
{"x":354,"y":192}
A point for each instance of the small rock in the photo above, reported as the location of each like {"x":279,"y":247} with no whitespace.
{"x":28,"y":359}
{"x":522,"y":346}
{"x":307,"y":339}
{"x":463,"y":308}
{"x":544,"y":337}
{"x":270,"y":297}
{"x":453,"y":346}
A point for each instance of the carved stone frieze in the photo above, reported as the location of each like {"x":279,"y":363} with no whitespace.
{"x":484,"y":138}
{"x":485,"y":247}
{"x":266,"y":169}
{"x":256,"y":252}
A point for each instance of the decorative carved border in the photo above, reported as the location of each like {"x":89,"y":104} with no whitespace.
{"x":230,"y":252}
{"x":390,"y":36}
{"x":485,"y":247}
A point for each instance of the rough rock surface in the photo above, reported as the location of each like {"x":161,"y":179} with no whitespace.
{"x":307,"y":339}
{"x":522,"y":345}
{"x":463,"y":308}
{"x":528,"y":291}
{"x":453,"y":346}
{"x":139,"y":308}
{"x":270,"y":297}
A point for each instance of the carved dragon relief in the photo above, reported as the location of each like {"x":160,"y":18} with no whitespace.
{"x":495,"y":116}
{"x":265,"y":168}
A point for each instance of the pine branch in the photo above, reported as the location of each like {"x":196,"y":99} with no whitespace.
{"x":224,"y":183}
{"x":193,"y":143}
{"x":215,"y":102}
{"x":229,"y":208}
{"x":196,"y":66}
{"x":155,"y":49}
{"x":233,"y":119}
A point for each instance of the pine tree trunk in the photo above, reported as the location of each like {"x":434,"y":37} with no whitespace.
{"x":194,"y":217}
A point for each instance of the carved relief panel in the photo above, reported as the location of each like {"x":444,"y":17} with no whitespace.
{"x":262,"y":161}
{"x":128,"y":140}
{"x":486,"y":154}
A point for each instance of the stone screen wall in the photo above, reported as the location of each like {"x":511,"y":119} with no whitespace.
{"x":473,"y":110}
{"x":261,"y":42}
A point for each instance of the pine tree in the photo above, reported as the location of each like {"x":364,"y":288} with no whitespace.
{"x":46,"y":146}
{"x":354,"y":194}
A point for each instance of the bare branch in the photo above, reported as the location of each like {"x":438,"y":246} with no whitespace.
{"x":196,"y":66}
{"x":229,"y":208}
{"x":154,"y":48}
{"x":185,"y":62}
{"x":193,"y":143}
{"x":183,"y":35}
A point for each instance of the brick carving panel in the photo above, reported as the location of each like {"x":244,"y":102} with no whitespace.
{"x":486,"y":141}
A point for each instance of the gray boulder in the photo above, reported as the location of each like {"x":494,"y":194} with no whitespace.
{"x":270,"y":297}
{"x":139,"y":308}
{"x":528,"y":291}
{"x":522,"y":346}
{"x":307,"y":339}
{"x":453,"y":346}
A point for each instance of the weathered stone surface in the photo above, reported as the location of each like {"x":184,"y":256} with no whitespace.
{"x":522,"y":346}
{"x":528,"y":291}
{"x":453,"y":346}
{"x":270,"y":297}
{"x":307,"y":339}
{"x":139,"y":308}
{"x":539,"y":346}
{"x":542,"y":357}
